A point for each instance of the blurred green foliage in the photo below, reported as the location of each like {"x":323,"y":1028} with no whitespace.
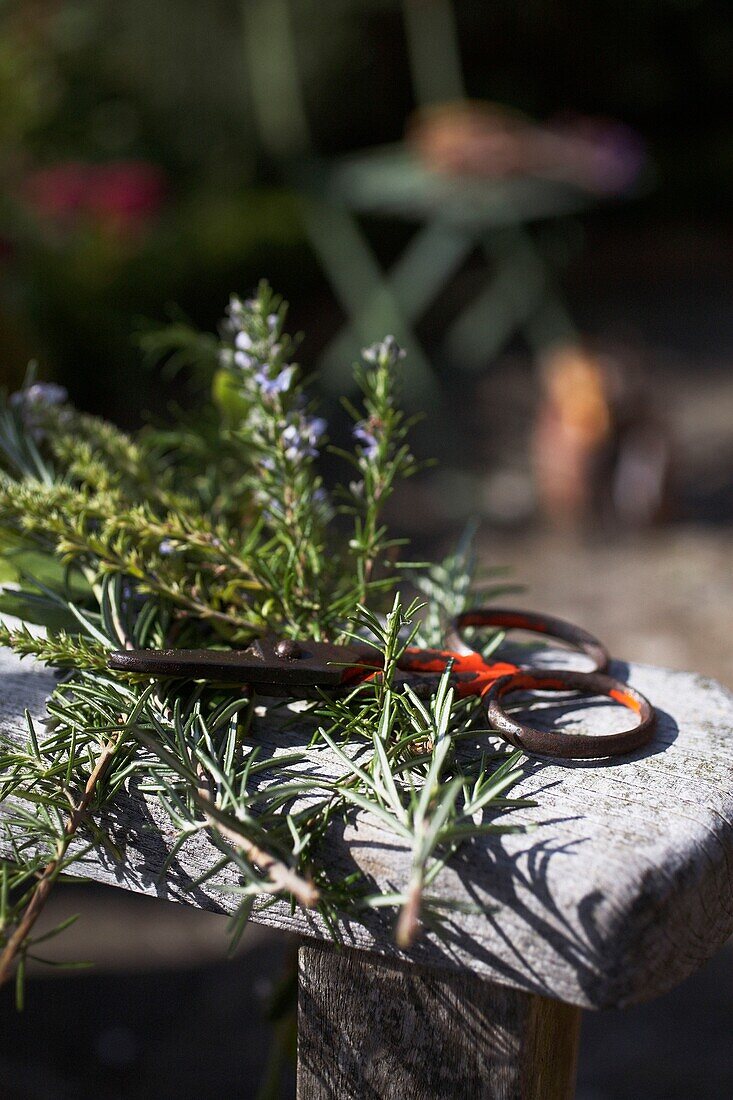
{"x":133,"y":176}
{"x":129,"y":183}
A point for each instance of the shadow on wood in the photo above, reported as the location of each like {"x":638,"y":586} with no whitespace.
{"x":370,"y":1028}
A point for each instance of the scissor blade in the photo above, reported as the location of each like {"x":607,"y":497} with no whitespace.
{"x":316,"y":664}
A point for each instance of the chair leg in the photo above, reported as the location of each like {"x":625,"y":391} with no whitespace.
{"x":520,"y":297}
{"x":376,"y":303}
{"x":373,"y":1028}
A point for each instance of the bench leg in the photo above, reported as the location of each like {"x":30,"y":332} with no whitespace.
{"x":370,"y":1028}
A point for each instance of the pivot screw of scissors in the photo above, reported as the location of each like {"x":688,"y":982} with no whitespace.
{"x":288,"y":650}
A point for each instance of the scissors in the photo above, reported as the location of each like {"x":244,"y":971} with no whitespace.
{"x":303,"y":669}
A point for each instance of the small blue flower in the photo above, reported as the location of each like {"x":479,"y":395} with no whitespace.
{"x":166,"y":548}
{"x":368,"y":440}
{"x":235,"y":309}
{"x":385,"y":353}
{"x":243,"y":341}
{"x":321,"y":498}
{"x":33,"y":402}
{"x":292,"y":439}
{"x":301,"y":437}
{"x":315,"y":427}
{"x":243,"y":360}
{"x":40,"y":394}
{"x":279,"y":384}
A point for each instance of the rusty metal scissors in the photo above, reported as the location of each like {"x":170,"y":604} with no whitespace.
{"x":302,"y":669}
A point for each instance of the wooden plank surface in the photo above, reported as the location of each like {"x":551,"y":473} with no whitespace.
{"x":370,"y":1027}
{"x":622,"y":889}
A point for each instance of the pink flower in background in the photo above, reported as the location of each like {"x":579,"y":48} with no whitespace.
{"x":126,"y":193}
{"x":58,"y":192}
{"x":118,"y":196}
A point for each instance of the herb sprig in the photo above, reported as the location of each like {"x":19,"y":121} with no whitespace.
{"x":193,"y":536}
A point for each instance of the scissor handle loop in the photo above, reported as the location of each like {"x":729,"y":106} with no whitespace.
{"x":511,"y":619}
{"x":580,"y":746}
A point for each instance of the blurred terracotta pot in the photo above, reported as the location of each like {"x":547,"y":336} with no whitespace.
{"x":599,"y":452}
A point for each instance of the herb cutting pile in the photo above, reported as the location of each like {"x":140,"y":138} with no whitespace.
{"x":210,"y":534}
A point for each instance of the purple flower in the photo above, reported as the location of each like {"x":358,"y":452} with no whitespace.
{"x":279,"y":384}
{"x":243,"y":360}
{"x":315,"y":428}
{"x":166,"y":548}
{"x":243,"y":341}
{"x":33,"y":402}
{"x":322,"y":501}
{"x":235,"y":314}
{"x":385,"y":353}
{"x":301,"y":437}
{"x":293,"y":441}
{"x":40,"y":394}
{"x":368,"y":440}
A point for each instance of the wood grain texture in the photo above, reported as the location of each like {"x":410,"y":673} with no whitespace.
{"x":623,"y":888}
{"x":375,"y":1028}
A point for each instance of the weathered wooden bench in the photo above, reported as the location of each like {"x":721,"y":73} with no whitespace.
{"x":622,"y":890}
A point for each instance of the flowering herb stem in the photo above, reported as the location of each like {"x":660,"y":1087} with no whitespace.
{"x":209,"y":534}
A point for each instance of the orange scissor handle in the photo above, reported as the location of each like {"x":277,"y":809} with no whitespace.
{"x":575,"y":746}
{"x":547,"y":626}
{"x":470,"y":673}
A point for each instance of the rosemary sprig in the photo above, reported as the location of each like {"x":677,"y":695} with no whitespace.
{"x":207,"y":534}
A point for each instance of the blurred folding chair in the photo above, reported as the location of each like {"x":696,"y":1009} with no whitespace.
{"x":454,"y":215}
